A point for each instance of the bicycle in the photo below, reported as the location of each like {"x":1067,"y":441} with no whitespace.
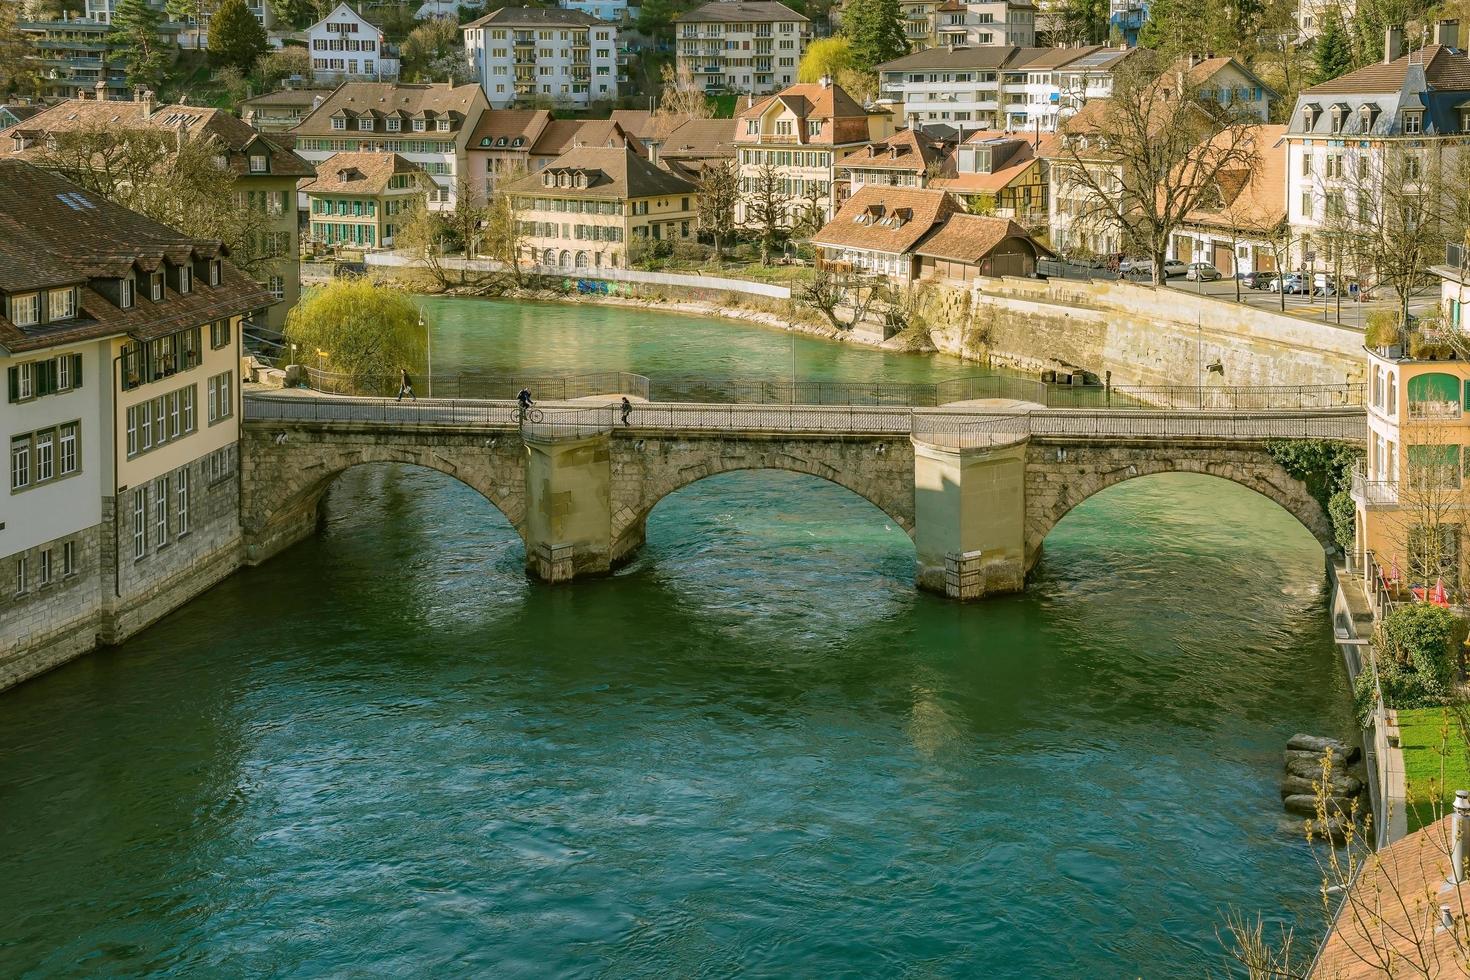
{"x":523,"y":415}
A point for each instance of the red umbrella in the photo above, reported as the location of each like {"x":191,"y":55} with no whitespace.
{"x":1438,"y":595}
{"x":1393,"y":572}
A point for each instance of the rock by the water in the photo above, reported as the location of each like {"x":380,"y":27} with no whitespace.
{"x":1302,"y":803}
{"x":1344,"y":785}
{"x":1317,"y":745}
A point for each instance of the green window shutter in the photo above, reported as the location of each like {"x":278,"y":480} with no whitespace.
{"x":14,"y":374}
{"x":76,"y":370}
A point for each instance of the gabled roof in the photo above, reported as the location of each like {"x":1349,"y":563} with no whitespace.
{"x":535,"y":17}
{"x":1251,"y":198}
{"x":562,"y":135}
{"x":1023,"y":157}
{"x":503,"y":127}
{"x":812,"y":101}
{"x":971,"y":237}
{"x":614,"y":172}
{"x":426,"y":100}
{"x":886,"y":219}
{"x":360,"y":173}
{"x":739,"y":12}
{"x":287,"y":97}
{"x":1445,"y":70}
{"x":52,"y":233}
{"x":699,"y":138}
{"x":906,"y":150}
{"x":195,"y":122}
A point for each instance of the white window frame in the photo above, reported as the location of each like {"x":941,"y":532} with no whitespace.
{"x":20,"y":462}
{"x":25,"y":310}
{"x":67,"y":456}
{"x":181,"y":492}
{"x":140,"y":523}
{"x":45,"y":453}
{"x":61,"y":304}
{"x":160,"y":510}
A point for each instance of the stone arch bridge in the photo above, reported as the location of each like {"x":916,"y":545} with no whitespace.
{"x":978,"y":493}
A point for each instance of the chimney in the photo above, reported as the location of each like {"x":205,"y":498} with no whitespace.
{"x":1447,"y":33}
{"x":825,"y":81}
{"x":101,"y":87}
{"x":1460,"y":830}
{"x":1393,"y":44}
{"x":146,"y":97}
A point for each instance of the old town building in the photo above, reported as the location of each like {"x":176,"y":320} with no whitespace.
{"x":879,"y":227}
{"x":120,"y":346}
{"x":359,"y":200}
{"x":347,"y":46}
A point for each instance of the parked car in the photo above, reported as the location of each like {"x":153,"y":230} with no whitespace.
{"x":1257,"y":280}
{"x":1323,"y":285}
{"x":1290,"y":283}
{"x":1173,"y":268}
{"x":1137,"y":268}
{"x":1201,"y":272}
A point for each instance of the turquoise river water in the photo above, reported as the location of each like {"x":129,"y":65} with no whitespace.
{"x":757,"y":748}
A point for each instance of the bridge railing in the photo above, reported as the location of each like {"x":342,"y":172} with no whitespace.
{"x":473,"y":384}
{"x":1310,"y":424}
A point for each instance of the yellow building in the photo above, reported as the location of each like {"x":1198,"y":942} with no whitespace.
{"x":589,"y":204}
{"x":1409,"y":493}
{"x":358,"y":200}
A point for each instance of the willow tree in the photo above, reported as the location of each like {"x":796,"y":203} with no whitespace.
{"x":360,"y":330}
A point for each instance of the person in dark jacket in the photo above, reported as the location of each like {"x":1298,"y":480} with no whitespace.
{"x":405,"y":386}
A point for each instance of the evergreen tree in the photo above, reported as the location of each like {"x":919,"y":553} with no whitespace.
{"x":1082,"y":22}
{"x":236,"y":39}
{"x":17,"y":64}
{"x":135,"y":32}
{"x":1333,"y":52}
{"x":874,"y":30}
{"x":656,"y":19}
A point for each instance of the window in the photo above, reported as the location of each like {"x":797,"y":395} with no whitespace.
{"x":68,"y":446}
{"x":187,"y":401}
{"x":181,"y":492}
{"x":186,"y":279}
{"x":61,"y":304}
{"x":140,"y":523}
{"x":219,"y":334}
{"x":44,"y":578}
{"x":277,"y":287}
{"x":221,"y":396}
{"x":25,"y":310}
{"x":20,"y":462}
{"x":20,"y":575}
{"x":45,"y":446}
{"x":172,"y":400}
{"x":22,"y":382}
{"x":160,"y":512}
{"x":68,"y":558}
{"x":216,"y":267}
{"x":339,"y":123}
{"x":155,"y":287}
{"x":125,"y":289}
{"x":1434,"y":396}
{"x":1413,"y":123}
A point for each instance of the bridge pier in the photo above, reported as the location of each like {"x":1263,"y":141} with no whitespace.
{"x":970,"y":517}
{"x":568,"y":506}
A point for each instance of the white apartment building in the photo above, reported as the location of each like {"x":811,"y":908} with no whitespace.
{"x":611,"y":11}
{"x":1003,"y":22}
{"x":995,"y":86}
{"x":1347,"y":137}
{"x":345,"y":45}
{"x":749,"y":46}
{"x":525,"y":54}
{"x":426,"y":124}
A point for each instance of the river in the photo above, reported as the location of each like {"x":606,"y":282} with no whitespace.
{"x":757,"y":747}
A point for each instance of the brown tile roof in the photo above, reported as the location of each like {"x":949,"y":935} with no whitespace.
{"x":1253,"y":198}
{"x":1444,"y":70}
{"x":1395,"y":914}
{"x":906,"y":150}
{"x":197,"y":122}
{"x":872,"y":219}
{"x":812,"y":100}
{"x":562,"y":135}
{"x":534,"y":17}
{"x":379,"y":99}
{"x":739,"y":12}
{"x":52,"y":233}
{"x":287,"y":97}
{"x":700,"y":138}
{"x":358,"y":173}
{"x":614,"y":172}
{"x":1031,"y":149}
{"x":494,"y":124}
{"x":971,"y":237}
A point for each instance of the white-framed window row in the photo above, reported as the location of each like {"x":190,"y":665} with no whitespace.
{"x":45,"y":456}
{"x":219,"y":465}
{"x":181,"y":501}
{"x":36,"y":379}
{"x":161,"y":420}
{"x":140,"y":523}
{"x":161,"y":502}
{"x":221,"y":396}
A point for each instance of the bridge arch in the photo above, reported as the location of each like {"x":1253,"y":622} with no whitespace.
{"x":884,"y":480}
{"x":1055,"y":486}
{"x":286,"y":482}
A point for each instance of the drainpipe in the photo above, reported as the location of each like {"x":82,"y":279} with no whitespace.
{"x":1461,"y":823}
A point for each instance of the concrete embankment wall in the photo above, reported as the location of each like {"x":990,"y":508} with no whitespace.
{"x":1143,"y":335}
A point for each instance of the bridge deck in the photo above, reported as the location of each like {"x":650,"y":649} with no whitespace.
{"x":944,"y":426}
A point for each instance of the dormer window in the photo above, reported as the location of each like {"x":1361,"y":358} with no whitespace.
{"x":548,"y":179}
{"x":1309,"y":115}
{"x":1369,"y":112}
{"x":1413,"y":122}
{"x":258,"y":163}
{"x":125,"y":287}
{"x":365,"y":124}
{"x":155,"y":287}
{"x":215,"y":271}
{"x":339,"y":123}
{"x":752,"y":127}
{"x":1339,"y":114}
{"x":61,"y":304}
{"x":418,"y":125}
{"x":442,"y":125}
{"x":186,"y":279}
{"x":25,"y":310}
{"x":392,"y":125}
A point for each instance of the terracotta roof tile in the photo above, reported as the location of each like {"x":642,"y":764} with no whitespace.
{"x":615,"y":172}
{"x":971,"y":237}
{"x":872,"y":219}
{"x":353,"y":99}
{"x":358,"y":173}
{"x":739,"y":12}
{"x":907,"y":150}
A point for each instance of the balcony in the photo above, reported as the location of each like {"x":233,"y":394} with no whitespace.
{"x":1373,"y":493}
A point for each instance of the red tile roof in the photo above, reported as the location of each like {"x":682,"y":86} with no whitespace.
{"x":886,"y":219}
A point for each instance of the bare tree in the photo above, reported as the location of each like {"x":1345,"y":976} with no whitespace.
{"x":846,"y":296}
{"x":681,"y":98}
{"x":766,"y":208}
{"x":1140,"y":161}
{"x":504,"y":232}
{"x":719,"y":195}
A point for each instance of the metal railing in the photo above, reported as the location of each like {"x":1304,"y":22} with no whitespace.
{"x":1374,"y":493}
{"x":951,"y":428}
{"x":770,"y":391}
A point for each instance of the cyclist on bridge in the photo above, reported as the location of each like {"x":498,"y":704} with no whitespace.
{"x":524,"y":398}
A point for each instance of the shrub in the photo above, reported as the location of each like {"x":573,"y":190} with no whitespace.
{"x":1417,"y":638}
{"x":692,"y":251}
{"x":1343,"y":512}
{"x":1382,"y":329}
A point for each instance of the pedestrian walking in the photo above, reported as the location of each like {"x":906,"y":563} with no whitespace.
{"x":627,"y":410}
{"x":405,"y":385}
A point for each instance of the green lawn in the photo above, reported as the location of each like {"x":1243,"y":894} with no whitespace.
{"x":1436,"y":760}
